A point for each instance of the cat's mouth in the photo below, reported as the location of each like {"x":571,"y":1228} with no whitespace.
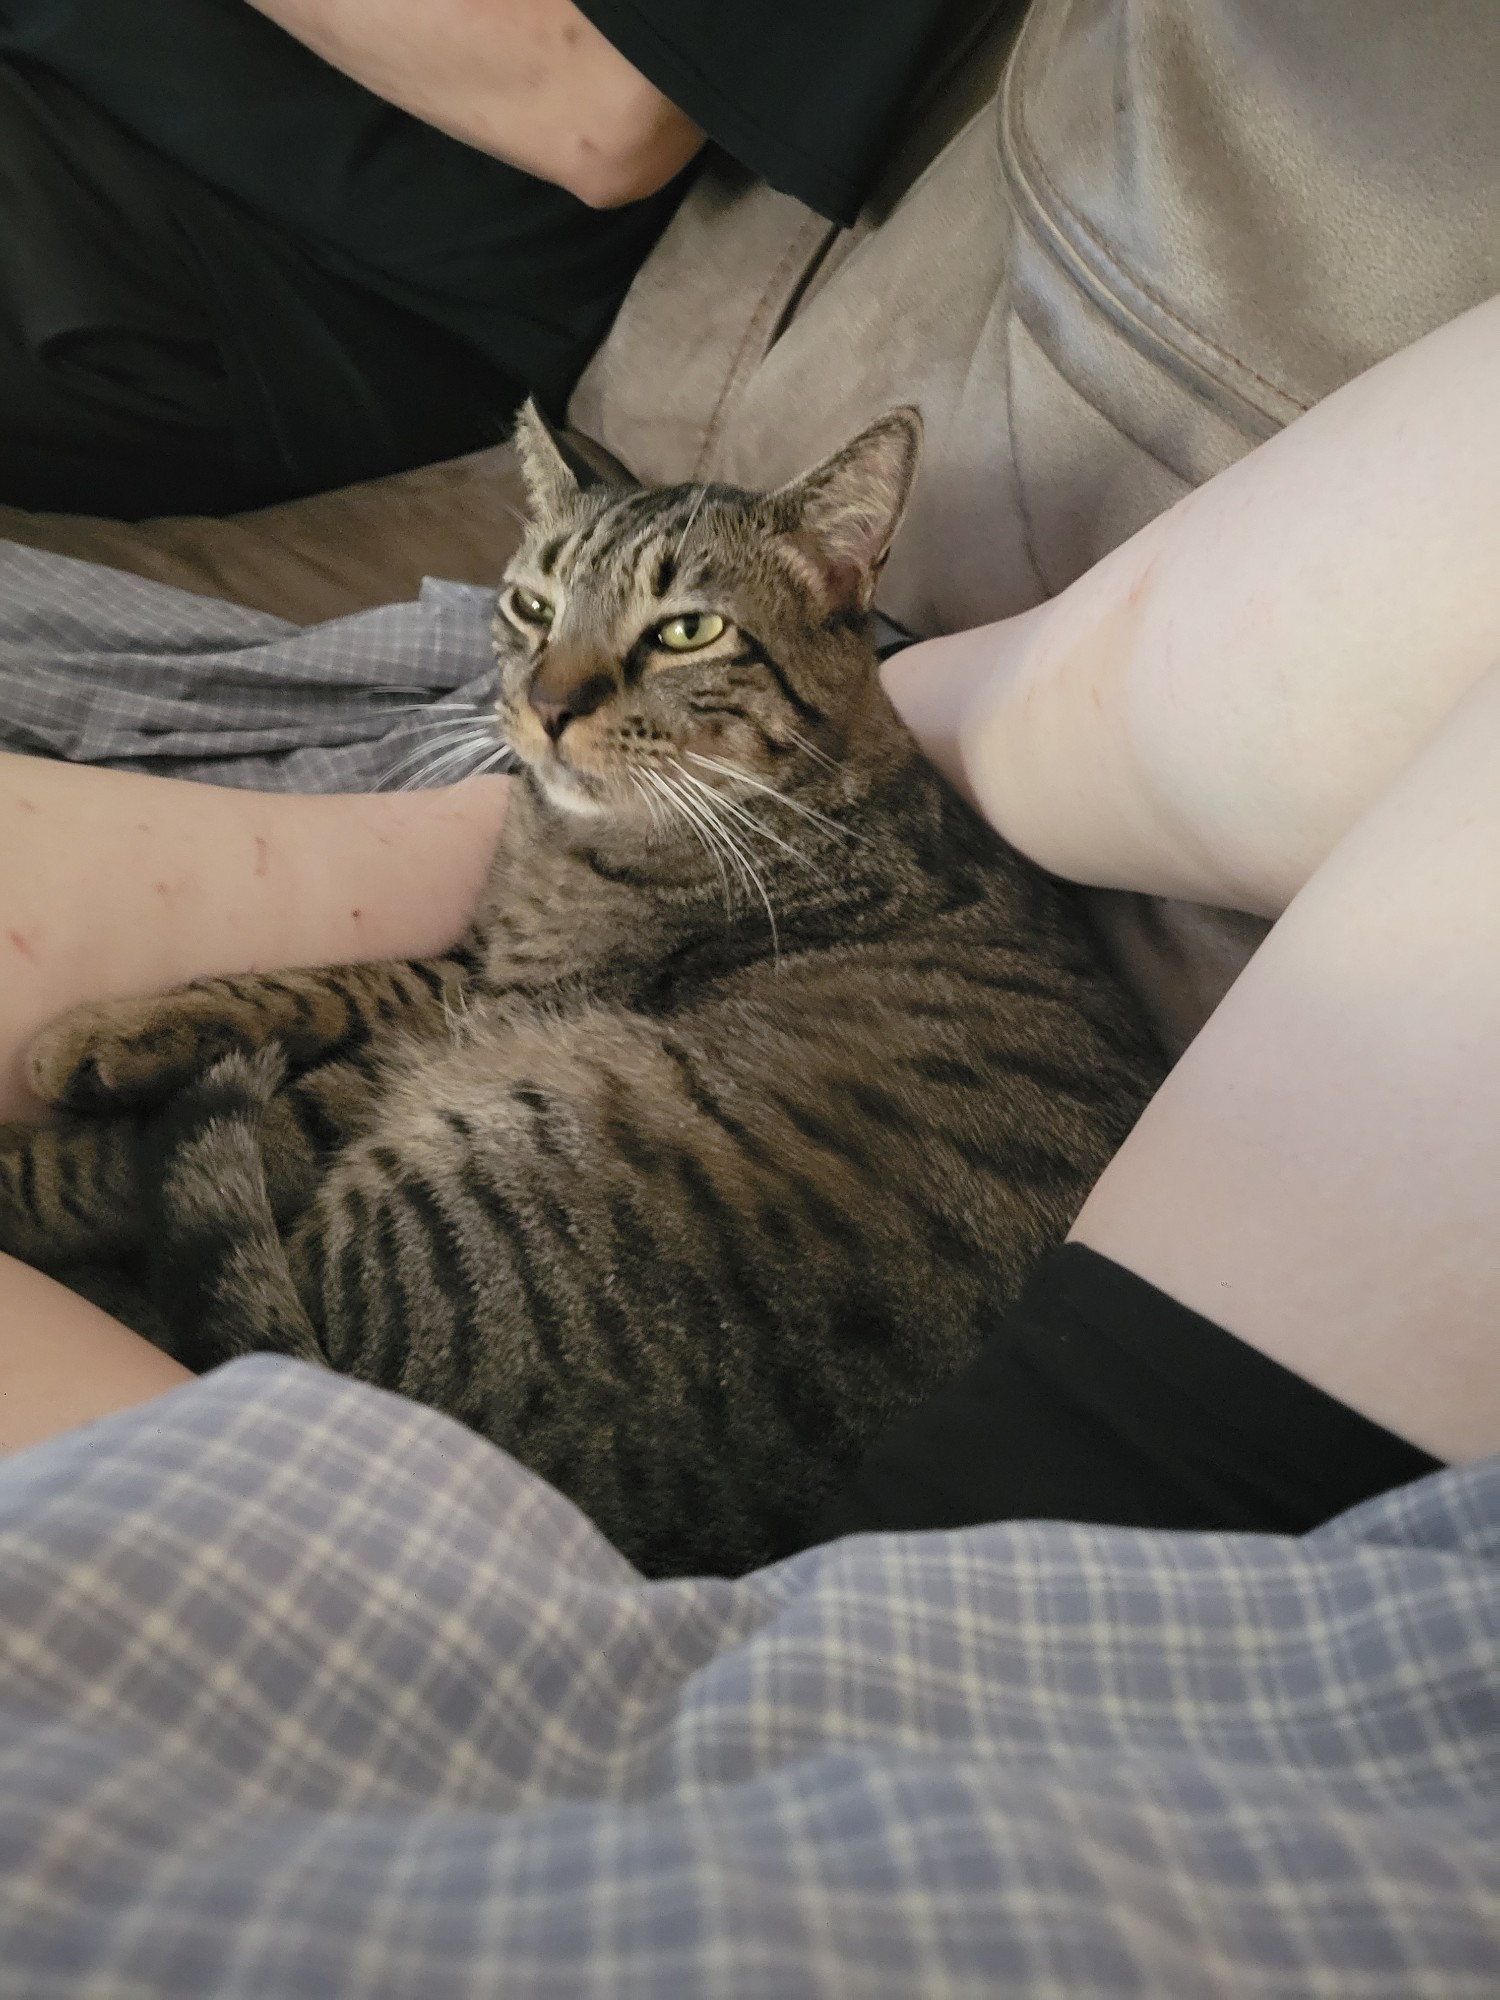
{"x":564,"y":785}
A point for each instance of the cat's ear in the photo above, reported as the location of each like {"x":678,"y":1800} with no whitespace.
{"x":558,"y":465}
{"x":852,"y":504}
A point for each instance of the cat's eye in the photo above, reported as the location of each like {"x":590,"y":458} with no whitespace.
{"x":692,"y":630}
{"x":529,"y":608}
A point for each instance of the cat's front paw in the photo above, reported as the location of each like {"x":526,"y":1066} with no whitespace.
{"x":113,"y":1053}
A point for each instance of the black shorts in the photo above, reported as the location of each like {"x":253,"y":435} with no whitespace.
{"x":1101,"y":1399}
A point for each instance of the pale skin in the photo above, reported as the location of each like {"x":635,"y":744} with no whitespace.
{"x":531,"y":81}
{"x":1284,"y":693}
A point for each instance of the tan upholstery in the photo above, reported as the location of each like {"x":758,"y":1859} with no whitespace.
{"x":319,"y":558}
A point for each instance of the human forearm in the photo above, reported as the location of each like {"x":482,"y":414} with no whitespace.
{"x":64,"y":1363}
{"x":532,"y":81}
{"x":1212,"y":706}
{"x":112,"y":884}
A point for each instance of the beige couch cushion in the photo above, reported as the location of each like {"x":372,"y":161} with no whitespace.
{"x":319,"y":558}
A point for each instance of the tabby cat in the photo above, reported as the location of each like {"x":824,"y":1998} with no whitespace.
{"x":765,"y":1073}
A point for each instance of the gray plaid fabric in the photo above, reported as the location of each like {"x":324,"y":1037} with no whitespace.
{"x":101,"y":667}
{"x":308,"y":1692}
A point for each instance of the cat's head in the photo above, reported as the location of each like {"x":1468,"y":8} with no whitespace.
{"x":657,"y":642}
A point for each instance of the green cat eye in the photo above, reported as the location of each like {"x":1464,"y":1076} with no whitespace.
{"x":692,"y":630}
{"x":530,"y":608}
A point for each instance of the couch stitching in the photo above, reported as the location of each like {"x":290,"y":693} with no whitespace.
{"x":1032,"y":179}
{"x":774,"y":289}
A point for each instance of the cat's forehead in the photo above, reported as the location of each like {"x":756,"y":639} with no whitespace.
{"x":612,"y":553}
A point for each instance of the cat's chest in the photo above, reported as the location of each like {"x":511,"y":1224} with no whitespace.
{"x":556,"y":925}
{"x":601,"y":919}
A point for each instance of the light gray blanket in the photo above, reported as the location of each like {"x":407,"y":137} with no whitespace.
{"x":101,"y":667}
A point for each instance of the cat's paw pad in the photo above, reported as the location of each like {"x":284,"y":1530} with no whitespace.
{"x":119,"y":1052}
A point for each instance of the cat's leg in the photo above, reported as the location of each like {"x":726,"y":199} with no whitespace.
{"x":217,"y":1267}
{"x":77,"y":1195}
{"x":114,"y":1053}
{"x":69,"y":1193}
{"x":73,"y":1191}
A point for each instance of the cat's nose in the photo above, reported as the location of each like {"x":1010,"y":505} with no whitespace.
{"x":554,"y":716}
{"x":556,"y":709}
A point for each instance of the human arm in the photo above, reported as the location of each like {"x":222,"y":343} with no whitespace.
{"x":115,"y":884}
{"x":531,"y":81}
{"x":1210,"y":708}
{"x":63,"y":1362}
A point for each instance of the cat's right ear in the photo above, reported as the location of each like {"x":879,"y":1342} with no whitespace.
{"x":558,"y":465}
{"x":852,"y":504}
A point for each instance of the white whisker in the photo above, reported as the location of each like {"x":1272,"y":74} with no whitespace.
{"x":405,"y":687}
{"x":451,"y":760}
{"x":663,"y":785}
{"x":756,"y":785}
{"x":658,"y":815}
{"x":687,"y":525}
{"x":720,"y":837}
{"x":822,"y":756}
{"x":746,"y":819}
{"x":707,"y":803}
{"x":704,"y":829}
{"x":473,"y":730}
{"x":471,"y":734}
{"x":496,"y":756}
{"x":437,"y":711}
{"x":445,"y":725}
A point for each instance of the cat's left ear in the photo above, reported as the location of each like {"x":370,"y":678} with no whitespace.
{"x":559,"y":465}
{"x":852,"y":504}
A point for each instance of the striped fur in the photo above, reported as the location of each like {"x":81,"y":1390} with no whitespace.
{"x":767,"y":1071}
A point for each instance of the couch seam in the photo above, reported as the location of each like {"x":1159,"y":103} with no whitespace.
{"x":774,"y":289}
{"x":1104,"y":276}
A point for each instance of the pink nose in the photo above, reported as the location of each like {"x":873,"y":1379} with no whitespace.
{"x":554,"y":716}
{"x":555,"y":712}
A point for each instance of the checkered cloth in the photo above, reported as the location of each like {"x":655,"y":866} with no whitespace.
{"x":308,"y":1692}
{"x":101,"y":667}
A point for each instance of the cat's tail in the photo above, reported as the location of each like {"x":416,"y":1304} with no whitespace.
{"x":218,"y":1267}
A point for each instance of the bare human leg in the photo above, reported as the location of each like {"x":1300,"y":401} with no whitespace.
{"x":1319,"y":1174}
{"x":1211,"y":707}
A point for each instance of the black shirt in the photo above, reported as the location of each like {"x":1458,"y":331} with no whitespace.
{"x":517,"y":268}
{"x":803,"y":92}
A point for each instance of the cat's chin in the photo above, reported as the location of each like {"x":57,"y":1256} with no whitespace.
{"x":568,"y":790}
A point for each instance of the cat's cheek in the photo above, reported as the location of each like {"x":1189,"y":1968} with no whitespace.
{"x":717,"y":736}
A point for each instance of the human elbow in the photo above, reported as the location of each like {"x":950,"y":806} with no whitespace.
{"x":630,"y":160}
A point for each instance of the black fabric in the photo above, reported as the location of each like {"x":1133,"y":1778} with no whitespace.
{"x":806,"y":93}
{"x":1102,"y":1399}
{"x":517,"y":268}
{"x":163,"y":352}
{"x":228,"y":275}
